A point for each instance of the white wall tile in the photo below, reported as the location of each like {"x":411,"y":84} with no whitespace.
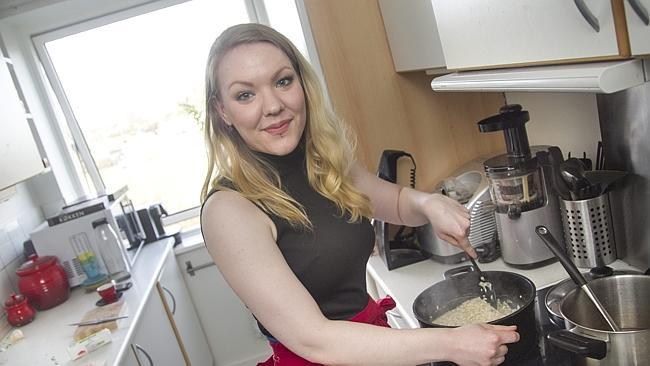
{"x":7,"y":251}
{"x":4,"y":238}
{"x":6,"y":287}
{"x":17,"y":236}
{"x":10,"y":271}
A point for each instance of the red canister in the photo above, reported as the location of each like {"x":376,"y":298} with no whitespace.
{"x":18,"y":310}
{"x":43,"y":281}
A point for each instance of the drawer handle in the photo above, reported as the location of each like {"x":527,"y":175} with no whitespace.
{"x":136,"y":348}
{"x":173,"y":299}
{"x":191,"y":270}
{"x":587,"y":14}
{"x":640,"y":11}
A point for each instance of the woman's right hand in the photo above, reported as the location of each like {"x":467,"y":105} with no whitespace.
{"x":482,"y":344}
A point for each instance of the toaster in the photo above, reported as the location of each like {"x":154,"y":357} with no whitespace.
{"x":469,"y":186}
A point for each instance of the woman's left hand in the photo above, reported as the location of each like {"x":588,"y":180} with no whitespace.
{"x":449,"y":219}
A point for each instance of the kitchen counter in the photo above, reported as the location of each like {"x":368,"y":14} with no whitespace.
{"x":47,"y":337}
{"x":406,"y":283}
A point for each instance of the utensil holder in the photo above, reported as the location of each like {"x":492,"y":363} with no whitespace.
{"x":588,"y":231}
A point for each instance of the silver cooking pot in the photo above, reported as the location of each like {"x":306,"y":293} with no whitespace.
{"x":558,"y":292}
{"x":587,"y":334}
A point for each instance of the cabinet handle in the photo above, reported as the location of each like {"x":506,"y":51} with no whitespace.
{"x":173,"y":299}
{"x":588,"y":15}
{"x":138,"y":348}
{"x":640,"y":11}
{"x":191,"y":269}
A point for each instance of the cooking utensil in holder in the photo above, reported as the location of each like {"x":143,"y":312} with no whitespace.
{"x":588,"y":231}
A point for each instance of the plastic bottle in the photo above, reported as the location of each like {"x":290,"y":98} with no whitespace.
{"x":111,"y":251}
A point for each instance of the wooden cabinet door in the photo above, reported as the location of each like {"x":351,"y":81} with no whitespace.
{"x":479,"y":34}
{"x":19,"y":156}
{"x":154,"y":342}
{"x":177,"y":298}
{"x":637,"y":13}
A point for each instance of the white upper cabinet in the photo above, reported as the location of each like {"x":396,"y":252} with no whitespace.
{"x":412,"y":34}
{"x":478,"y":34}
{"x":637,"y":13}
{"x":19,"y":156}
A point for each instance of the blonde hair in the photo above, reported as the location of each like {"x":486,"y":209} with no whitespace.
{"x":329,"y":143}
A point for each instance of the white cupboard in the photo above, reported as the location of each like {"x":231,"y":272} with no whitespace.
{"x":229,"y":326}
{"x":172,"y":289}
{"x":492,"y":33}
{"x":637,"y":16}
{"x":19,"y":156}
{"x":154,"y":342}
{"x":412,"y":34}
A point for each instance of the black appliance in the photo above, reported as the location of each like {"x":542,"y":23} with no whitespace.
{"x":397,"y":244}
{"x":151,"y":222}
{"x":130,"y":224}
{"x":152,"y":226}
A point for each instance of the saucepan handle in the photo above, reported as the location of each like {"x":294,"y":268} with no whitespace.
{"x":561,"y":254}
{"x":457,"y":271}
{"x":575,"y":343}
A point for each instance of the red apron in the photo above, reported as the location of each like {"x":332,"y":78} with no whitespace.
{"x":374,"y":313}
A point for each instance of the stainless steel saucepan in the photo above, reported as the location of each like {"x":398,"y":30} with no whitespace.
{"x":589,"y":336}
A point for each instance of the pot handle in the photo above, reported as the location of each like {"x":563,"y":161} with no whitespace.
{"x":575,"y":343}
{"x":457,"y":271}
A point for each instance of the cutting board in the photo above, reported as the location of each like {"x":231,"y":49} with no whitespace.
{"x":106,"y":311}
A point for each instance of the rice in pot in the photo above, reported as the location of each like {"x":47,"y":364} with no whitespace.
{"x":475,"y":310}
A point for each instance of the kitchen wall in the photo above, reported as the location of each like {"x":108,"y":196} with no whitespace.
{"x":19,"y":215}
{"x":567,"y":120}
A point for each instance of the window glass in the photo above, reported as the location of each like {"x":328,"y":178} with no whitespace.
{"x":136,"y":90}
{"x":283,"y":17}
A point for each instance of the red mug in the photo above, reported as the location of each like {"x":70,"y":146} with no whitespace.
{"x":108,"y":292}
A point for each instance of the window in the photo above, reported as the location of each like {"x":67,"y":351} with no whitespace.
{"x":132,"y":91}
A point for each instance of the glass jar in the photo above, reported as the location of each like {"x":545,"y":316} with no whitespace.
{"x":110,"y":249}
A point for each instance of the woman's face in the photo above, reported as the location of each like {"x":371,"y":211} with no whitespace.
{"x":262,"y":97}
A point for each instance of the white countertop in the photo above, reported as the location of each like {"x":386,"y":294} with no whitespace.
{"x":404,"y":284}
{"x":47,"y":337}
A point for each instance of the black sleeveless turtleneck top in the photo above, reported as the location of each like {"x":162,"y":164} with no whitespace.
{"x":329,"y":260}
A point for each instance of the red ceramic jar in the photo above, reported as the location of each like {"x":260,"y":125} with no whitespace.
{"x":43,"y":281}
{"x":18,"y":310}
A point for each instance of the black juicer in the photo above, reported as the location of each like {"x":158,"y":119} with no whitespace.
{"x":519,"y":186}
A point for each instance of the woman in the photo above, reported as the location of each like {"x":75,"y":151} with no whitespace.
{"x":286,"y":216}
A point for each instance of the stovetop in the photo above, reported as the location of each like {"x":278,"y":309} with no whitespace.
{"x":544,"y":354}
